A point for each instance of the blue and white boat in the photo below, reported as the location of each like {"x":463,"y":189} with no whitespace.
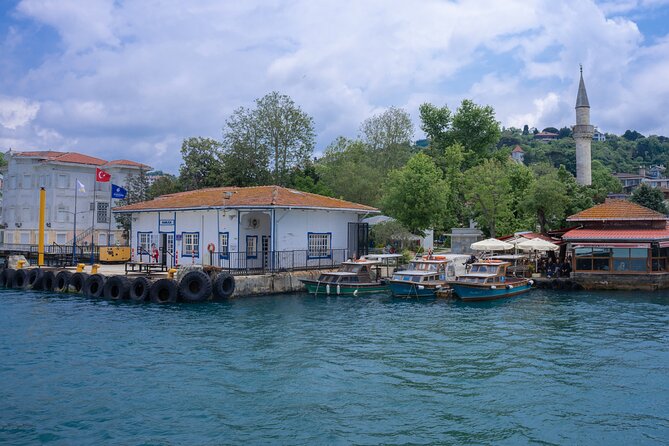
{"x":487,"y":280}
{"x":427,"y":275}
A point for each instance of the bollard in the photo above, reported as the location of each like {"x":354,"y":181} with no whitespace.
{"x":94,"y":268}
{"x":20,"y":263}
{"x":80,"y":267}
{"x":171,"y":272}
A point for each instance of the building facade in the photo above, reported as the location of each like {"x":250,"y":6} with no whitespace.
{"x":58,"y":173}
{"x":253,"y":225}
{"x":619,"y":245}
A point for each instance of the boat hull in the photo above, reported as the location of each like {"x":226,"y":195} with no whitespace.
{"x":475,"y":292}
{"x":406,"y":289}
{"x":316,"y":287}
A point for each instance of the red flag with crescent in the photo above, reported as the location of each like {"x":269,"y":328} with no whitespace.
{"x":102,"y":176}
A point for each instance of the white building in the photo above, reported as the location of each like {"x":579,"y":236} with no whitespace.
{"x":252,"y":225}
{"x":58,"y":173}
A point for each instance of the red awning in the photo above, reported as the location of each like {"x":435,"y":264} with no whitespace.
{"x":612,"y":245}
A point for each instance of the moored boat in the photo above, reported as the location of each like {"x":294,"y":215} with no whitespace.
{"x":487,"y":280}
{"x":354,"y":277}
{"x":425,"y":276}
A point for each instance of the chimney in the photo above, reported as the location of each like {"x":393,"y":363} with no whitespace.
{"x":642,"y":171}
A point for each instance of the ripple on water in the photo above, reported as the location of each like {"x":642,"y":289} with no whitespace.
{"x":549,"y":368}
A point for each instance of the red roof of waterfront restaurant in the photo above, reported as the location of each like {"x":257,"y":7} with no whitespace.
{"x":617,"y":210}
{"x":244,"y":197}
{"x":616,"y":234}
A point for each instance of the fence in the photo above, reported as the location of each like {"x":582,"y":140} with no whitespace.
{"x":243,"y":263}
{"x":54,"y":254}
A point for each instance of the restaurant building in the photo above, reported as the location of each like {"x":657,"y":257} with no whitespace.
{"x":619,"y":245}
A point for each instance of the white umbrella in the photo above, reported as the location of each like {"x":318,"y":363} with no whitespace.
{"x":537,"y":244}
{"x":491,"y":244}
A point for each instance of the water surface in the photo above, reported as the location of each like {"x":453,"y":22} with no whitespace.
{"x":546,"y":368}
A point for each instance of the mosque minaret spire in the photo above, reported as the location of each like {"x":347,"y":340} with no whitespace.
{"x":583,"y":133}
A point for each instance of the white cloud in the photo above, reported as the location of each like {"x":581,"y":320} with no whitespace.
{"x":132,"y":79}
{"x":17,"y":112}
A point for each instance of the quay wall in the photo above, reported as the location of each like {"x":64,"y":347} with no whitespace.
{"x":272,"y":283}
{"x":643,"y":282}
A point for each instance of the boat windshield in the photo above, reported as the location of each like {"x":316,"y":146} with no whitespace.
{"x":348,"y":268}
{"x":422,"y":266}
{"x":484,"y":269}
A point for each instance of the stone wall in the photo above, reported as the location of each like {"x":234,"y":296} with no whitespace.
{"x":647,"y":282}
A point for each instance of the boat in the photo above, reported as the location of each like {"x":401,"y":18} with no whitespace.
{"x":427,"y":275}
{"x":487,"y":280}
{"x":354,"y":277}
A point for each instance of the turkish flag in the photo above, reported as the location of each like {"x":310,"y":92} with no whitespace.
{"x":102,"y":176}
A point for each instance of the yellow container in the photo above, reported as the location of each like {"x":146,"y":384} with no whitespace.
{"x":114,"y":254}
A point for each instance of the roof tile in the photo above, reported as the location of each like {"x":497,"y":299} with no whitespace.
{"x":616,"y":234}
{"x":617,"y":210}
{"x":260,"y":196}
{"x":76,"y":158}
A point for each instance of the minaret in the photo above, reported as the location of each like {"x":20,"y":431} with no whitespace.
{"x":583,"y":133}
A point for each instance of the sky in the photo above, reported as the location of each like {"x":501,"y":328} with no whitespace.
{"x":122,"y":79}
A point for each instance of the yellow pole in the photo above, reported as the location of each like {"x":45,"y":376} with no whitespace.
{"x":40,"y":240}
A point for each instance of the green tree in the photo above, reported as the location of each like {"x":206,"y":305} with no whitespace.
{"x":550,"y":130}
{"x":547,"y":198}
{"x":201,"y":165}
{"x":488,"y":192}
{"x":388,"y":136}
{"x":308,"y":180}
{"x":416,"y":195}
{"x":390,"y":231}
{"x":166,"y":184}
{"x":603,"y":182}
{"x":526,"y":130}
{"x":649,"y":197}
{"x":475,"y":127}
{"x":137,"y":186}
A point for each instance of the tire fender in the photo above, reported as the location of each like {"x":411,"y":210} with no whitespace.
{"x":163,"y":291}
{"x":224,"y":286}
{"x":195,"y":286}
{"x":116,"y":288}
{"x":139,"y":289}
{"x":94,"y":285}
{"x":46,"y":282}
{"x":20,"y":279}
{"x":76,"y":282}
{"x":34,"y":278}
{"x":62,"y":281}
{"x":6,"y":277}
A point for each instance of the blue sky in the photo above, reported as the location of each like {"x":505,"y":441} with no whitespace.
{"x":122,"y":79}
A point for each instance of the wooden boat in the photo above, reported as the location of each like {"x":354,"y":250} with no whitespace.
{"x":425,"y":276}
{"x":354,"y":277}
{"x":487,"y":280}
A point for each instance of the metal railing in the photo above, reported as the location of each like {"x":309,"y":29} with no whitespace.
{"x":243,"y":263}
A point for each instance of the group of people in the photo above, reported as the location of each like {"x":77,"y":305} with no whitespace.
{"x":554,"y":268}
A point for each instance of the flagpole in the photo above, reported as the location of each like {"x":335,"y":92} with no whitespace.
{"x":95,"y":207}
{"x":111,"y":192}
{"x":74,"y":236}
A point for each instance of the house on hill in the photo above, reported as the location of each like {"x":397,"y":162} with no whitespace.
{"x":261,"y":227}
{"x":518,"y":155}
{"x":619,"y":245}
{"x":546,"y":136}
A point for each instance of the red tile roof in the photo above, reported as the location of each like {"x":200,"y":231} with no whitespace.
{"x":230,"y":197}
{"x":77,"y":158}
{"x":617,"y":210}
{"x":517,"y":149}
{"x":616,"y":234}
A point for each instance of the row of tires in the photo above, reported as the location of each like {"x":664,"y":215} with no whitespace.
{"x":195,"y":286}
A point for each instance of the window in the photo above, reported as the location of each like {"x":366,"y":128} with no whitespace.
{"x":251,"y":246}
{"x":27,"y":181}
{"x":223,"y":244}
{"x":63,"y":181}
{"x":103,"y":212}
{"x":12,"y":182}
{"x":25,"y":238}
{"x":144,"y":240}
{"x":102,"y":239}
{"x":61,"y":238}
{"x":318,"y":245}
{"x":191,"y":244}
{"x":112,"y":239}
{"x":617,"y":260}
{"x":62,"y":215}
{"x":26,"y":214}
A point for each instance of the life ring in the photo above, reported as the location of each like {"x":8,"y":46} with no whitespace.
{"x":211,"y":247}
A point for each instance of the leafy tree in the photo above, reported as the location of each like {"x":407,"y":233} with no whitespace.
{"x":201,"y":166}
{"x":564,"y":132}
{"x":603,"y":182}
{"x":547,"y":198}
{"x":632,"y":135}
{"x":416,"y":195}
{"x":138,"y":191}
{"x":488,"y":192}
{"x":308,"y":180}
{"x":475,"y":127}
{"x":649,"y":197}
{"x":392,"y":128}
{"x":526,"y":130}
{"x":166,"y":184}
{"x":579,"y":196}
{"x":390,"y":231}
{"x":436,"y":123}
{"x":348,"y":171}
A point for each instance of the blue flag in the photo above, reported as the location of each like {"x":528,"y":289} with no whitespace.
{"x":118,"y":192}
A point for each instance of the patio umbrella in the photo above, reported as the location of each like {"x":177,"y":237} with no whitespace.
{"x":537,"y":244}
{"x":491,"y":244}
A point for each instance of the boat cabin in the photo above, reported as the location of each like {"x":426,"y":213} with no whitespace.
{"x":355,"y":271}
{"x":486,"y":272}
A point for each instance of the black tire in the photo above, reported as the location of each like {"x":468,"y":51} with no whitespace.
{"x":62,"y":284}
{"x":6,"y":277}
{"x":116,"y":288}
{"x":163,"y":291}
{"x":76,"y":282}
{"x":139,"y":289}
{"x":20,"y":279}
{"x":94,"y":285}
{"x":224,"y":286}
{"x":34,"y":278}
{"x":47,"y":282}
{"x":195,"y":286}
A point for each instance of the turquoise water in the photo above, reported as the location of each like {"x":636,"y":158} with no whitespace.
{"x":546,"y":368}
